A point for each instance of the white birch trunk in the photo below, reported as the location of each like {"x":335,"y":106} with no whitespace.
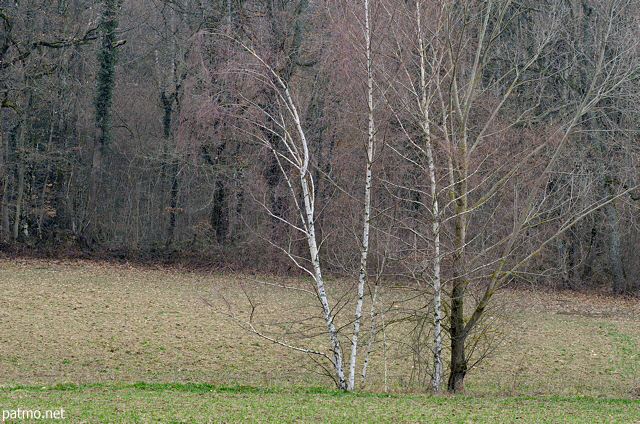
{"x":364,"y":250}
{"x":317,"y":274}
{"x":437,"y":289}
{"x":366,"y":358}
{"x":309,"y":224}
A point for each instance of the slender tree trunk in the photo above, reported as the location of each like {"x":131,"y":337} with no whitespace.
{"x":437,"y":284}
{"x":21,"y":154}
{"x":301,"y":161}
{"x":96,"y":168}
{"x":167,"y":106}
{"x":173,"y":202}
{"x":20,"y":190}
{"x":587,"y":267}
{"x":3,"y":180}
{"x":219,"y":219}
{"x":364,"y":249}
{"x":43,"y":197}
{"x":309,"y":221}
{"x":313,"y":250}
{"x":4,"y":206}
{"x":458,"y":367}
{"x":425,"y":124}
{"x":371,"y":334}
{"x":612,"y":218}
{"x":562,"y":259}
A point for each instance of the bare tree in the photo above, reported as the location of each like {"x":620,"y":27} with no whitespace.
{"x":468,"y":102}
{"x":611,"y":72}
{"x":289,"y":145}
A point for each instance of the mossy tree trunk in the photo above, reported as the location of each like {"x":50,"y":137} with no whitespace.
{"x":107,"y":56}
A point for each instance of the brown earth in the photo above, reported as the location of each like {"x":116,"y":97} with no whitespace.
{"x":87,"y":322}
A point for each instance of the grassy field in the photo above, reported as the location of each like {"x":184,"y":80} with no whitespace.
{"x":114,"y":343}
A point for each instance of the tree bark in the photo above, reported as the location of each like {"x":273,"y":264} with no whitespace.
{"x":20,"y":189}
{"x":104,"y":96}
{"x":219,"y":212}
{"x":167,"y":107}
{"x":612,"y":218}
{"x":96,"y":169}
{"x":458,"y":367}
{"x":364,"y":248}
{"x":21,"y":152}
{"x":563,"y":259}
{"x":173,"y":202}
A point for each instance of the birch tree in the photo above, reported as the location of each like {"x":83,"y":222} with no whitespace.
{"x":295,"y":154}
{"x":292,"y":154}
{"x":411,"y":94}
{"x":369,"y":144}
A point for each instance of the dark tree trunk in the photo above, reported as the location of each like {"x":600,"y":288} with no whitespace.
{"x":96,"y":168}
{"x":219,"y":213}
{"x":104,"y":97}
{"x":566,"y":259}
{"x":458,"y":332}
{"x":587,"y":267}
{"x":20,"y":156}
{"x":458,"y":368}
{"x":612,"y":218}
{"x":19,"y":195}
{"x":167,"y":106}
{"x":173,"y":203}
{"x":219,"y":219}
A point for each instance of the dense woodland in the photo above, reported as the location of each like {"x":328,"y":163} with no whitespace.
{"x":165,"y":151}
{"x":482,"y":143}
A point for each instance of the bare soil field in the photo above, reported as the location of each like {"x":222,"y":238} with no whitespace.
{"x":86,"y":322}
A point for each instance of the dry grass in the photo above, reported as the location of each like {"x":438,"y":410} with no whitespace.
{"x":88,"y":323}
{"x":567,"y":344}
{"x":85,"y":322}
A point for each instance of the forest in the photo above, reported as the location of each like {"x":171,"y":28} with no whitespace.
{"x":457,"y":147}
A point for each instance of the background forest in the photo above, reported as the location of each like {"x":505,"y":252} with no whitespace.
{"x":142,"y":124}
{"x":456,"y":147}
